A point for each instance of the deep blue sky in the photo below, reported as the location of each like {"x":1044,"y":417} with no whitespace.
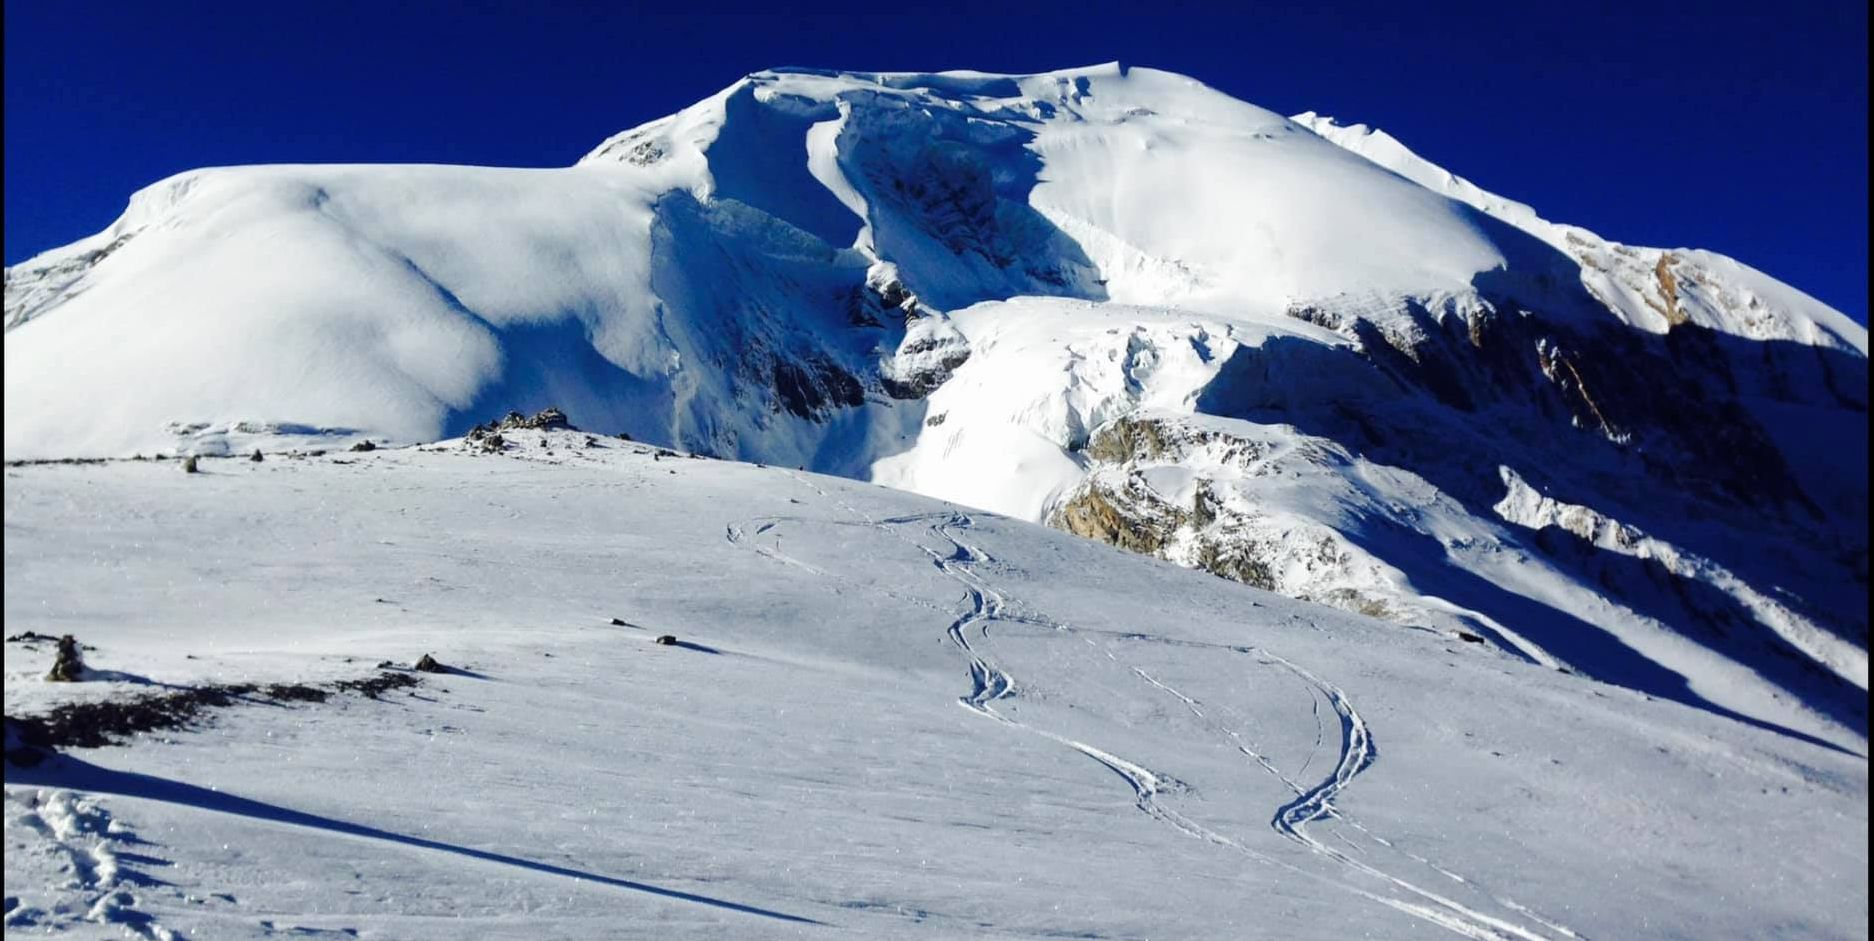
{"x":1740,"y":130}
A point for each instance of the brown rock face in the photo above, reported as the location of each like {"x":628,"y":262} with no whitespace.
{"x":1091,"y":513}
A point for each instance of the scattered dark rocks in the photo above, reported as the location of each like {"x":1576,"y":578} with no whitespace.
{"x":97,"y":724}
{"x":294,"y":692}
{"x":616,"y":622}
{"x":29,"y":637}
{"x":623,"y":437}
{"x":493,"y":443}
{"x":188,"y":464}
{"x":365,"y":445}
{"x":34,"y":462}
{"x":255,"y":457}
{"x":428,"y":664}
{"x":371,"y":686}
{"x":1469,"y":638}
{"x":31,"y":739}
{"x":547,"y":419}
{"x":666,"y":640}
{"x":69,"y":667}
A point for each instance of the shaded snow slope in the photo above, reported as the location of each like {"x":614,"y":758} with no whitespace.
{"x":1283,"y":350}
{"x":888,"y":717}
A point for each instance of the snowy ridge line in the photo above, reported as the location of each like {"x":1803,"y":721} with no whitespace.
{"x":1524,"y":505}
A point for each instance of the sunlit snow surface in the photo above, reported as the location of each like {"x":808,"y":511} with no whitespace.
{"x":891,"y":717}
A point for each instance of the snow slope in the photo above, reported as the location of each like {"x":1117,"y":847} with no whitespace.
{"x":1762,"y":308}
{"x":891,"y":717}
{"x":1283,"y":350}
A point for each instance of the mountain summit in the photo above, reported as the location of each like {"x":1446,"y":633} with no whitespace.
{"x":1284,"y":350}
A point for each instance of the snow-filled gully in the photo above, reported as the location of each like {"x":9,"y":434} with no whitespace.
{"x":990,"y":683}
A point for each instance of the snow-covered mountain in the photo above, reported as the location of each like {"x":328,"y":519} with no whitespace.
{"x":1284,"y":350}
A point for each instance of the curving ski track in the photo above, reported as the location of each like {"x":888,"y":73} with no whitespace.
{"x":989,"y":683}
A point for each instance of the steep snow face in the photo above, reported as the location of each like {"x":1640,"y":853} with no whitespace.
{"x":1286,"y":351}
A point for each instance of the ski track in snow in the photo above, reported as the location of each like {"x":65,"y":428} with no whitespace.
{"x":737,"y":536}
{"x":990,"y":683}
{"x":1317,"y":803}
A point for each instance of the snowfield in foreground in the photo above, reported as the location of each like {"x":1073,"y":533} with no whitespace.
{"x":886,"y":717}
